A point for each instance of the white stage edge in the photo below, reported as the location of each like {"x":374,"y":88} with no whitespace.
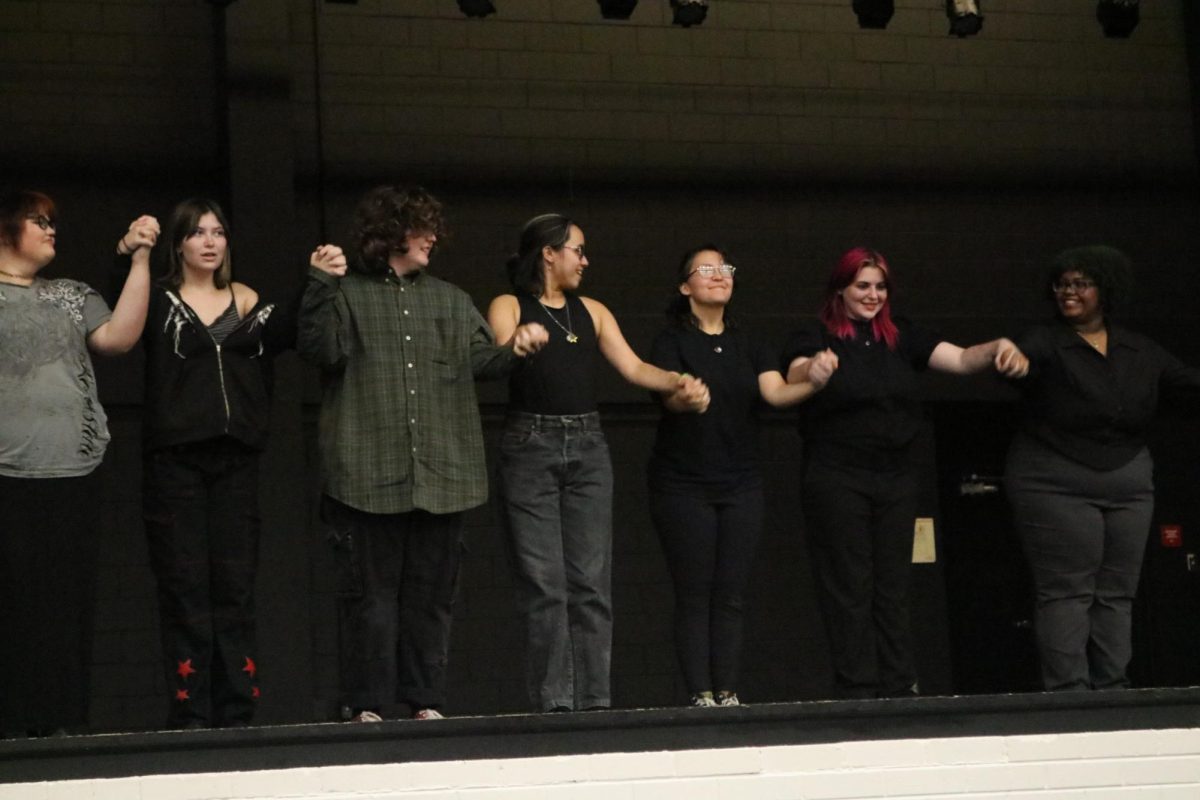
{"x":1119,"y":765}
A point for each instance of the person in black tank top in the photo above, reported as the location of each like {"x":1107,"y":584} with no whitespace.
{"x":706,"y":495}
{"x":208,"y":342}
{"x":556,"y":478}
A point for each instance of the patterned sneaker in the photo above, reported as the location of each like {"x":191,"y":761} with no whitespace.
{"x":703,"y":700}
{"x":727,"y":699}
{"x":427,"y":713}
{"x":366,"y":716}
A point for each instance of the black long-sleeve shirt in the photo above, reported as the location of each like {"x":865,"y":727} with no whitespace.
{"x":1090,"y":407}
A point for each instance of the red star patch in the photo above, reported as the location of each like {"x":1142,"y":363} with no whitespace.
{"x":250,"y":668}
{"x":185,"y":668}
{"x":182,"y":695}
{"x":254,"y":692}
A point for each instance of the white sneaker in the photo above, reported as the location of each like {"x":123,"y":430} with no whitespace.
{"x":366,"y":716}
{"x":703,"y":700}
{"x":427,"y":713}
{"x":727,"y":699}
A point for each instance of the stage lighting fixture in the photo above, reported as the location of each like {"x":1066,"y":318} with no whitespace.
{"x":965,"y":19}
{"x":874,"y":13}
{"x":688,"y":12}
{"x":616,"y":9}
{"x":1118,"y":18}
{"x":476,"y":8}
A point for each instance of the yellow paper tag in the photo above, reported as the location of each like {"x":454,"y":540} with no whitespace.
{"x":924,"y":548}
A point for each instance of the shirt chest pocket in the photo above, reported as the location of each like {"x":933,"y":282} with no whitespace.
{"x":449,"y":351}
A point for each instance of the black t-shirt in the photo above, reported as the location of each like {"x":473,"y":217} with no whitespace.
{"x":1094,"y":408}
{"x":719,"y":448}
{"x":870,"y":411}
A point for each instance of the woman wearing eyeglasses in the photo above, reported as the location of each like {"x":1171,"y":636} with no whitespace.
{"x":706,"y":495}
{"x":53,"y":435}
{"x":1079,"y":476}
{"x":859,"y":489}
{"x":555,"y":473}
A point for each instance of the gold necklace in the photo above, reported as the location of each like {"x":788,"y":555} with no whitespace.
{"x":1096,"y":344}
{"x":569,"y":328}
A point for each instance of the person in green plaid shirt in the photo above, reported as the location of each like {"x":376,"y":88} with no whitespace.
{"x":401,"y":443}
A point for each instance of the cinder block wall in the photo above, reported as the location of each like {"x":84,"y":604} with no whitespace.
{"x":777,"y":128}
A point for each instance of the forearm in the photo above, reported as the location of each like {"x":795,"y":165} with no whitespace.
{"x":124,"y":327}
{"x":979,"y":357}
{"x":491,"y":361}
{"x":780,"y":393}
{"x":319,"y":334}
{"x":651,"y":377}
{"x":947,"y":357}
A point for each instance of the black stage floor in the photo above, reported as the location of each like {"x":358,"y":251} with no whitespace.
{"x":633,"y":730}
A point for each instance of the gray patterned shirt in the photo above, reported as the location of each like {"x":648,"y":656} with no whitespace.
{"x":51,"y":422}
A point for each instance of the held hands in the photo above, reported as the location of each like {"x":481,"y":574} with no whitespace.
{"x":821,"y":368}
{"x":330,"y":259}
{"x":1009,"y":360}
{"x":142,"y":234}
{"x":692,"y":393}
{"x":529,"y":338}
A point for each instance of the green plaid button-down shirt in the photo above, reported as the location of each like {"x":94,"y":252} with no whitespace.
{"x":399,"y":426}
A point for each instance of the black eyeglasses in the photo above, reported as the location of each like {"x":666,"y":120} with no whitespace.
{"x":42,"y":221}
{"x":709,"y":270}
{"x":1077,"y":285}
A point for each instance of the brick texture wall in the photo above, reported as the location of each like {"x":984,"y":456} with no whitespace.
{"x":777,"y":128}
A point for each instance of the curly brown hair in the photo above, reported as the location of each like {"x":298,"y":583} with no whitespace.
{"x":385,"y":216}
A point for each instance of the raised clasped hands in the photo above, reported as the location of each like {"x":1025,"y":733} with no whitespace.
{"x":330,"y":259}
{"x":821,"y":368}
{"x":1010,"y":361}
{"x":142,"y":234}
{"x":529,"y":338}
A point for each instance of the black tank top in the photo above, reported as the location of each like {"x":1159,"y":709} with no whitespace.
{"x":224,"y":325}
{"x":561,"y":377}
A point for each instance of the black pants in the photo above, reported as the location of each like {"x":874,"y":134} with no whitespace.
{"x":859,"y":526}
{"x":1084,"y":533}
{"x":48,"y":547}
{"x":397,"y":574}
{"x":710,"y":543}
{"x":200,"y":503}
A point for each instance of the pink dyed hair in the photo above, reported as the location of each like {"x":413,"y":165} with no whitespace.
{"x":833,"y":309}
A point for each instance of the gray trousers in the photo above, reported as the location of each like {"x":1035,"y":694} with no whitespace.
{"x":1084,"y":533}
{"x":556,"y":482}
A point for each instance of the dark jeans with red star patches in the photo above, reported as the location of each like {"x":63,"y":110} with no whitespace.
{"x":200,"y":503}
{"x":397,"y":574}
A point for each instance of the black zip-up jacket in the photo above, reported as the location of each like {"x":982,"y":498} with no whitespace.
{"x":197,"y":389}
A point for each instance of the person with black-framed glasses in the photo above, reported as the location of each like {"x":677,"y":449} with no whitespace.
{"x":556,"y":478}
{"x":53,"y":436}
{"x":706,"y":490}
{"x":1079,"y":476}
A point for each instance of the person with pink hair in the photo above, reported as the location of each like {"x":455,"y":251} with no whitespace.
{"x":859,"y":490}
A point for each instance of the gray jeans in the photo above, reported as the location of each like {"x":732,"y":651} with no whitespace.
{"x":556,"y":484}
{"x":1084,"y":532}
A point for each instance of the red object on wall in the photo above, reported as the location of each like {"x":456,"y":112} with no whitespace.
{"x":1171,"y":535}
